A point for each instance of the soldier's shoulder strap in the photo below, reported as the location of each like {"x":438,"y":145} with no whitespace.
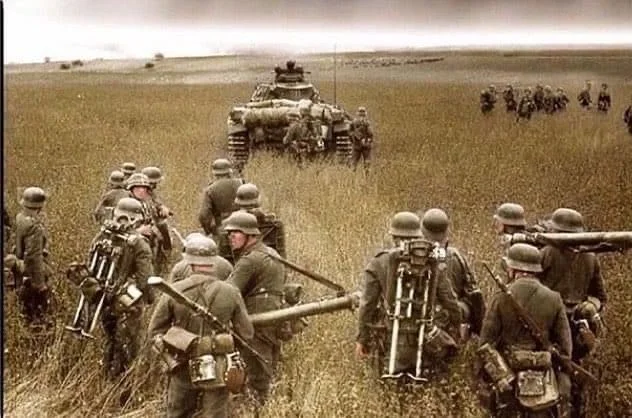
{"x":464,"y":265}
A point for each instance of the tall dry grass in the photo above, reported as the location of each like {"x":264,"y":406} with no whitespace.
{"x":434,"y":149}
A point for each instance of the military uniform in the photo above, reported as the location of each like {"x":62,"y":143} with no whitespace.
{"x":108,"y":201}
{"x":548,"y":101}
{"x":218,"y":203}
{"x":221,"y":269}
{"x":510,"y":99}
{"x":627,"y":118}
{"x":32,"y":271}
{"x":604,"y":100}
{"x":526,"y":107}
{"x":538,"y":98}
{"x":584,"y":98}
{"x":380,"y":278}
{"x":487,"y":100}
{"x":260,"y":279}
{"x":224,"y":302}
{"x":362,"y":139}
{"x":561,"y":100}
{"x":302,"y":139}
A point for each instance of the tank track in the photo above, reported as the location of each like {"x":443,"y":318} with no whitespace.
{"x":238,"y":150}
{"x":344,"y":149}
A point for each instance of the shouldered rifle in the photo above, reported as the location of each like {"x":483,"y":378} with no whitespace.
{"x":179,"y":297}
{"x":340,"y":291}
{"x":611,"y":241}
{"x":573,"y":369}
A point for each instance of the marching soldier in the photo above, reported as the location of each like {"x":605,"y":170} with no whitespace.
{"x":260,"y":281}
{"x":603,"y":100}
{"x":122,"y":321}
{"x":302,"y":137}
{"x":548,"y":102}
{"x":509,"y":219}
{"x":561,"y":100}
{"x":128,"y":169}
{"x":184,"y":331}
{"x":161,"y":213}
{"x":362,"y":139}
{"x":505,"y":335}
{"x":218,"y":200}
{"x":627,"y":118}
{"x":116,"y":192}
{"x":488,"y":99}
{"x":221,"y":268}
{"x":584,"y":98}
{"x":434,"y":226}
{"x":510,"y":99}
{"x":272,"y":229}
{"x":526,"y":107}
{"x":29,"y":265}
{"x":577,"y":278}
{"x":380,"y":282}
{"x":538,"y":97}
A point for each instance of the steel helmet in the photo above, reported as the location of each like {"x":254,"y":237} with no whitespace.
{"x":242,"y":221}
{"x":247,"y":196}
{"x":567,"y":220}
{"x":33,"y":198}
{"x":405,"y":225}
{"x":524,"y":257}
{"x":434,"y":225}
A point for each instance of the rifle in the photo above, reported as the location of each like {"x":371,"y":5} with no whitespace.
{"x":340,"y":291}
{"x":569,"y":366}
{"x":179,"y":297}
{"x":611,"y":241}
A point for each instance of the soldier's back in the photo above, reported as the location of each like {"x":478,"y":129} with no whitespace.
{"x":222,"y":193}
{"x":568,"y":273}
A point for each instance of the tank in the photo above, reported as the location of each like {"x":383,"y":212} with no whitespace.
{"x":262,"y":123}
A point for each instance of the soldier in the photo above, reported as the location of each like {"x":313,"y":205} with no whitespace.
{"x":302,"y":137}
{"x":29,"y":265}
{"x":122,"y":323}
{"x":526,"y":107}
{"x":260,"y":281}
{"x":6,"y":228}
{"x":161,"y":212}
{"x":577,"y":278}
{"x":272,"y":229}
{"x":221,"y":268}
{"x":561,"y":100}
{"x":434,"y":226}
{"x":510,"y":99}
{"x":584,"y":98}
{"x":379,"y":287}
{"x":488,"y":99}
{"x":362,"y":138}
{"x":116,"y":192}
{"x":538,"y":97}
{"x":548,"y":101}
{"x":504,"y":332}
{"x":218,"y":200}
{"x":509,"y":219}
{"x":184,"y":397}
{"x":603,"y":100}
{"x":128,"y":169}
{"x":627,"y":118}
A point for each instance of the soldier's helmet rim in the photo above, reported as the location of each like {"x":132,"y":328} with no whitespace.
{"x":243,"y":222}
{"x":435,"y":224}
{"x":221,"y":166}
{"x":33,"y":197}
{"x":567,"y":220}
{"x":405,"y":225}
{"x":129,"y":208}
{"x":247,"y":195}
{"x":511,"y":214}
{"x":200,"y":250}
{"x":524,"y":257}
{"x":138,"y":180}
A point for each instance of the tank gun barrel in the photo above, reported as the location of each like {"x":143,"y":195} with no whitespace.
{"x":349,"y":301}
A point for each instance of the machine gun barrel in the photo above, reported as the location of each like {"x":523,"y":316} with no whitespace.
{"x":349,"y":301}
{"x":611,"y":240}
{"x":179,"y":297}
{"x":573,"y":369}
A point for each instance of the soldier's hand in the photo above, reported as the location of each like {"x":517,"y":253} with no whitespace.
{"x":145,"y":230}
{"x":360,"y":351}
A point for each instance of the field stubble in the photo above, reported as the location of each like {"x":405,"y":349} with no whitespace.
{"x":434,"y":149}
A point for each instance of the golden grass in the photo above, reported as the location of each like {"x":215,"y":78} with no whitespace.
{"x":433,"y":149}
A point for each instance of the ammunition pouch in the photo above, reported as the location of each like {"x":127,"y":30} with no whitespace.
{"x":476,"y":303}
{"x":128,"y":297}
{"x":179,"y":339}
{"x":439,"y":345}
{"x":169,"y":359}
{"x":496,"y":368}
{"x":529,"y":360}
{"x":537,"y":390}
{"x":209,"y":372}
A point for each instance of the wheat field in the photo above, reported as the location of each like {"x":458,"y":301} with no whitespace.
{"x":65,"y":131}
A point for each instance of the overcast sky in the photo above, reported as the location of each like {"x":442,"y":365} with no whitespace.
{"x":112,"y":28}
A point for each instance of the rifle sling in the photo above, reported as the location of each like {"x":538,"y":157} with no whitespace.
{"x":524,"y":320}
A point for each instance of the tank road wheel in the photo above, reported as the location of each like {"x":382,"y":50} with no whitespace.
{"x":343,"y":148}
{"x":238,"y":151}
